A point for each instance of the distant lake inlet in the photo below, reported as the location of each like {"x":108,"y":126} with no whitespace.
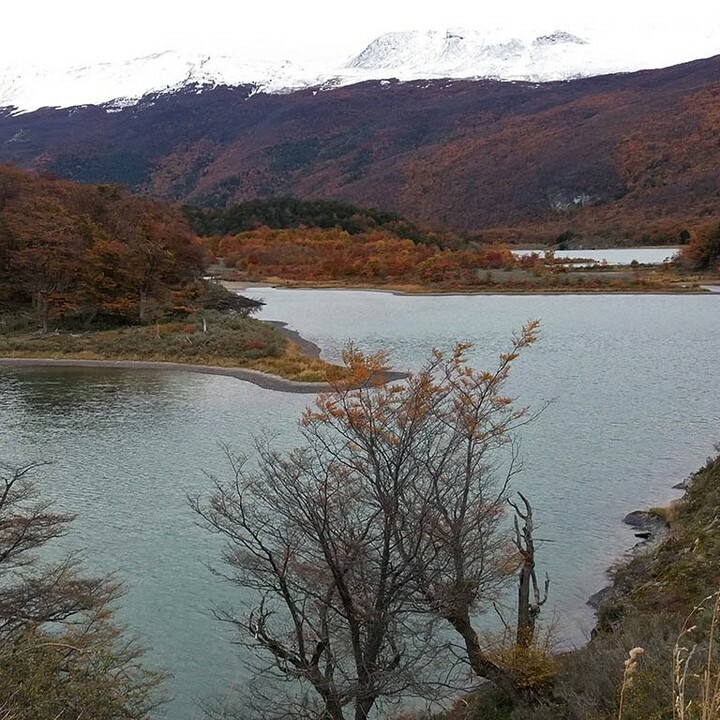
{"x":614,"y":256}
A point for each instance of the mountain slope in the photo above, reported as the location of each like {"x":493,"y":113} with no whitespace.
{"x":623,"y":154}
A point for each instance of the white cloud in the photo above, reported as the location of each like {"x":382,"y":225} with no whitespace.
{"x":78,"y":31}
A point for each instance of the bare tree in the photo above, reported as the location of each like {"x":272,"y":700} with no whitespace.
{"x":31,"y":594}
{"x":456,"y":539}
{"x":527,"y":610}
{"x":61,"y":654}
{"x":387,"y":520}
{"x":332,"y":603}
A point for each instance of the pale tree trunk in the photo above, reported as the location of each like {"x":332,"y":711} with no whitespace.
{"x":41,"y":303}
{"x":143,"y":305}
{"x":527,"y":610}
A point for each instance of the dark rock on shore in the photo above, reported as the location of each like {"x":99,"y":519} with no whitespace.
{"x":649,"y":526}
{"x":597,"y":598}
{"x":650,"y":529}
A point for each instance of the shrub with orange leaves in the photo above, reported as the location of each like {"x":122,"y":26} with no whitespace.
{"x":385,"y":524}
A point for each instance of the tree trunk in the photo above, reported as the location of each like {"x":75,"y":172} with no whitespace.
{"x":527,"y":611}
{"x":481,"y":665}
{"x":333,"y":709}
{"x":41,"y":303}
{"x":363,"y":706}
{"x":525,"y":615}
{"x":143,"y":305}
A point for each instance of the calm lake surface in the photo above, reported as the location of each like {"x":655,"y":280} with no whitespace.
{"x":635,"y":407}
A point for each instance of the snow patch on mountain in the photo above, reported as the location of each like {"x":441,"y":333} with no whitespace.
{"x":559,"y":55}
{"x":413,"y":55}
{"x":119,"y":84}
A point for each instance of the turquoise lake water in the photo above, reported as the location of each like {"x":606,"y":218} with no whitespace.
{"x":633,"y":383}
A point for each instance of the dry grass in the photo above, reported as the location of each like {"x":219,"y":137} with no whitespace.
{"x":510,"y":282}
{"x":696,"y":685}
{"x":221,"y":341}
{"x":294,"y":365}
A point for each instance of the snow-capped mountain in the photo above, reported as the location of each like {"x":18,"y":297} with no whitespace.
{"x":414,"y":55}
{"x":29,"y":88}
{"x":459,"y":53}
{"x":558,"y":55}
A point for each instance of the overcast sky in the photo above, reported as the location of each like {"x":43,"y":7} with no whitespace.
{"x":78,"y":31}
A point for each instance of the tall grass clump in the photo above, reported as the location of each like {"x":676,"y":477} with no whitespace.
{"x":696,"y":670}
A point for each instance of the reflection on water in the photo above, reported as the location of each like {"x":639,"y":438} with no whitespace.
{"x":633,"y":381}
{"x":69,"y":393}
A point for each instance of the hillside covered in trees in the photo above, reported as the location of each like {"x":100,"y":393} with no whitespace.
{"x":326,"y":242}
{"x":286,"y":213}
{"x":621,"y":157}
{"x":92,"y":256}
{"x":89,"y":251}
{"x":92,"y":272}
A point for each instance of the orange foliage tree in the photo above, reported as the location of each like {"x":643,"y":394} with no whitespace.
{"x":703,"y":250}
{"x":385,"y":524}
{"x":48,"y":261}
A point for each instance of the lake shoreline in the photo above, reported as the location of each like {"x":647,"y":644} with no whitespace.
{"x":401,"y":290}
{"x":299,"y":347}
{"x":261,"y":379}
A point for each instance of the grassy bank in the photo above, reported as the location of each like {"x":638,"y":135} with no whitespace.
{"x":663,"y":607}
{"x":656,"y":597}
{"x":645,"y":280}
{"x":207,"y":338}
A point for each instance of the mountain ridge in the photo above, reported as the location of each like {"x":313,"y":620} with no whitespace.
{"x":457,"y":53}
{"x":627,"y":156}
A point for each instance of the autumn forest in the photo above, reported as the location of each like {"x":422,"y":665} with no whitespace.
{"x":95,"y":255}
{"x":90,"y":251}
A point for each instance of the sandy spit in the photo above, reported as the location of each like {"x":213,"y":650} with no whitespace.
{"x":263,"y":380}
